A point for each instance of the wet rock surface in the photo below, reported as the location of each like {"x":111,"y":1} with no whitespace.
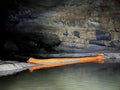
{"x":62,"y":26}
{"x":13,"y":67}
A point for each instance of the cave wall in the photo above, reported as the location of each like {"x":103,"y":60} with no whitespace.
{"x":53,"y":26}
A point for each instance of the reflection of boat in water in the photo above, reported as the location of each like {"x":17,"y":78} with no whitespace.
{"x":53,"y":62}
{"x":11,"y":67}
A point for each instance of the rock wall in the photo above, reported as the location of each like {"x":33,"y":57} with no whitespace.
{"x":54,"y":26}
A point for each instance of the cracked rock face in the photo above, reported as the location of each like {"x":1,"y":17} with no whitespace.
{"x":53,"y":26}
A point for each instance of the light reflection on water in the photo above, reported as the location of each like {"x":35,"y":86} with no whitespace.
{"x":73,"y":77}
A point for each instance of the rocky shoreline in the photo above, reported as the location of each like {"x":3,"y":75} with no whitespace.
{"x":47,"y":28}
{"x":12,"y":67}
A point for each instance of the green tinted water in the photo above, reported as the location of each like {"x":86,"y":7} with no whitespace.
{"x":72,"y":77}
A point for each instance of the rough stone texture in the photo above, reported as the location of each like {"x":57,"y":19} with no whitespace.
{"x":53,"y":26}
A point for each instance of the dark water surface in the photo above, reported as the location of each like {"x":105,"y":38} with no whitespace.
{"x":72,"y":77}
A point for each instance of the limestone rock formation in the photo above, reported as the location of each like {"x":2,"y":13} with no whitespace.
{"x":55,"y":26}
